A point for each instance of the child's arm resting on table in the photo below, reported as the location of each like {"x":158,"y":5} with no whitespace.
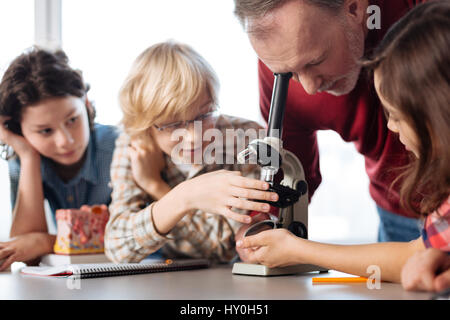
{"x":26,"y":184}
{"x":25,"y":247}
{"x":279,"y":247}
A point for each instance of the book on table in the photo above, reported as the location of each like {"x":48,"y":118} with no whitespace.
{"x":54,"y":260}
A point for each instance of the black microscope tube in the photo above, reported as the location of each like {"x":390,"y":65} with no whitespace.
{"x":278,"y":104}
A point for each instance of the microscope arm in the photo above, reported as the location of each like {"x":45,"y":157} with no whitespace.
{"x":293,"y":189}
{"x":270,"y":156}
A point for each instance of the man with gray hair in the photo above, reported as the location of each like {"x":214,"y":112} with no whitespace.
{"x":320,"y":42}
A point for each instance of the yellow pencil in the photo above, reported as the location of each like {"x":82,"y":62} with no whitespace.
{"x":339,"y":280}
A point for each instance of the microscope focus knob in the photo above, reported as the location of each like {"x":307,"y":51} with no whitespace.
{"x":298,"y":229}
{"x":302,"y":187}
{"x":286,"y":196}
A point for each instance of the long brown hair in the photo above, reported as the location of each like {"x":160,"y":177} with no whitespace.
{"x":413,"y":62}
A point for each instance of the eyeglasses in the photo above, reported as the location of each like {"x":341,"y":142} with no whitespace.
{"x":205,"y":118}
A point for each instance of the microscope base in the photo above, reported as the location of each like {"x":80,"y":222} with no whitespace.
{"x":260,"y":270}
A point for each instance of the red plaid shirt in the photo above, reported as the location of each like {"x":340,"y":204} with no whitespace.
{"x":436,"y":231}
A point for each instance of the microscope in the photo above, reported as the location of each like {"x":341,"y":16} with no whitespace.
{"x":269,"y":154}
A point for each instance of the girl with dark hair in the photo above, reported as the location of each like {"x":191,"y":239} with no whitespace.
{"x":412,"y":78}
{"x":54,"y":149}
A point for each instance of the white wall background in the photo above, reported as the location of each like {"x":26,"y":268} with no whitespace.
{"x":16,"y":34}
{"x":103,"y":37}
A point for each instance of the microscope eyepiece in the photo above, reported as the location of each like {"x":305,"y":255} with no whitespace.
{"x":278,"y":104}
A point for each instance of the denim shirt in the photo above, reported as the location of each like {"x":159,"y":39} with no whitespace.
{"x":90,"y":186}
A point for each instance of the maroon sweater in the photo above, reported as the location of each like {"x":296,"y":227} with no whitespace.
{"x":358,"y":117}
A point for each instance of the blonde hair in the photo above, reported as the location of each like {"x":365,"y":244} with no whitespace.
{"x":163,"y":82}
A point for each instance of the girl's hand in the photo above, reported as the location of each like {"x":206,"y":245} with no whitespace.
{"x":20,"y":145}
{"x":25,"y":247}
{"x":244,"y":253}
{"x":217,"y":192}
{"x":427,"y":270}
{"x":272,"y":248}
{"x":147,"y":162}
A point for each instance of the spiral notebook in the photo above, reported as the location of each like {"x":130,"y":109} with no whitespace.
{"x":115,"y":269}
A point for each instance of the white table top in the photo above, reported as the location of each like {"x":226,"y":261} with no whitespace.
{"x":215,"y":283}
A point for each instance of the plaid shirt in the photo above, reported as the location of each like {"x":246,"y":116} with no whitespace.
{"x":436,"y":231}
{"x":130,"y":233}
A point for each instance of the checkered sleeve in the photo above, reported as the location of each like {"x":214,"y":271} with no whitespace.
{"x":436,"y":231}
{"x":202,"y":235}
{"x":130,"y":235}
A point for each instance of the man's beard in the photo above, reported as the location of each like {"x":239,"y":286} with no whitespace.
{"x":356,"y":48}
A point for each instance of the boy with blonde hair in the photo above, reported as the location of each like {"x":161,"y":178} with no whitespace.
{"x":162,"y":197}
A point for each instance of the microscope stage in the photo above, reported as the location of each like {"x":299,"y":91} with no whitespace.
{"x":260,"y":270}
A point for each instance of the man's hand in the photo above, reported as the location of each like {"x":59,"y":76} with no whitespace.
{"x":427,"y":270}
